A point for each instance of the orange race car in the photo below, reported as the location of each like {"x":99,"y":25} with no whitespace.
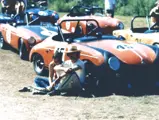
{"x":106,"y":57}
{"x":23,"y":36}
{"x":142,"y":31}
{"x":107,"y":24}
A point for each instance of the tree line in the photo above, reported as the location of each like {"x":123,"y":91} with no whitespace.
{"x":123,"y":7}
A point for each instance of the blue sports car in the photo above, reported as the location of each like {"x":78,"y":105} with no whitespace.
{"x":38,"y":8}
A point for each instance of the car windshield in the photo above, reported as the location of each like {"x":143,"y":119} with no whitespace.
{"x":140,"y":24}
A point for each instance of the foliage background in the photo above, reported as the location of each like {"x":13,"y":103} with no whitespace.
{"x":123,"y":7}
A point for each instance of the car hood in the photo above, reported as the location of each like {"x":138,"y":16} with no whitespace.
{"x":39,"y":32}
{"x":133,"y":54}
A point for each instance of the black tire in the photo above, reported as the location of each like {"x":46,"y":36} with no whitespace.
{"x":22,"y":50}
{"x":38,"y":64}
{"x":3,"y":44}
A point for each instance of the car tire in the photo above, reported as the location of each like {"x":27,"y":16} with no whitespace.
{"x":38,"y":64}
{"x":2,"y":42}
{"x":22,"y":50}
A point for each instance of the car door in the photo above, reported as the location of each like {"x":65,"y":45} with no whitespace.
{"x":10,"y":35}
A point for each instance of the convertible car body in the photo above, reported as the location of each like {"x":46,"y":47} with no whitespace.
{"x":106,"y":57}
{"x":145,"y":33}
{"x":24,"y":36}
{"x":107,"y":24}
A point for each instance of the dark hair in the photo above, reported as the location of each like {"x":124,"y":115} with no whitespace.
{"x":58,"y":55}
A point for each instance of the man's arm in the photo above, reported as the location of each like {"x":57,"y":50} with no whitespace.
{"x":77,"y":67}
{"x":62,"y":68}
{"x":51,"y":72}
{"x":64,"y":74}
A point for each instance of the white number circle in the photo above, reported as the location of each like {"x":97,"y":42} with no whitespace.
{"x":8,"y":35}
{"x":43,"y":13}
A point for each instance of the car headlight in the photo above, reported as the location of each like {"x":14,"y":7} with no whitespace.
{"x":31,"y":40}
{"x":120,"y":25}
{"x":114,"y":63}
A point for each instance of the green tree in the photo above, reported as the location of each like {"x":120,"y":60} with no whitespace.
{"x":123,"y":7}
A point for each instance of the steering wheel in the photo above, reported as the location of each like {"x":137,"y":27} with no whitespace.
{"x":155,"y":24}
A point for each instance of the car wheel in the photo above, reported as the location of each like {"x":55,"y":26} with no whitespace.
{"x":38,"y":64}
{"x":22,"y":50}
{"x":2,"y":42}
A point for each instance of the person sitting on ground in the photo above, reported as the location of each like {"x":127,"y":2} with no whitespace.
{"x":74,"y":70}
{"x":70,"y":74}
{"x":154,"y":13}
{"x":43,"y":83}
{"x":47,"y":83}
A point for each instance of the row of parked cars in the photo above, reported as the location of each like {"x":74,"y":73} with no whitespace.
{"x":114,"y":58}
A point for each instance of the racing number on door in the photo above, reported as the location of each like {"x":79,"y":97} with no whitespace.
{"x":60,"y":50}
{"x":8,"y":35}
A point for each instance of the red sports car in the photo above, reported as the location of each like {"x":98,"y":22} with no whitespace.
{"x":108,"y":58}
{"x":23,"y":36}
{"x":108,"y":24}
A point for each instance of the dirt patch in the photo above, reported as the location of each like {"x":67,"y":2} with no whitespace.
{"x":16,"y":73}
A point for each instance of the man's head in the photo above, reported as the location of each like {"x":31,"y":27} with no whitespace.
{"x":73,"y":53}
{"x":57,"y":57}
